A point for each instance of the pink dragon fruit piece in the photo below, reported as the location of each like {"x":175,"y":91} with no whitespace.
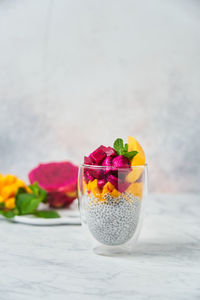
{"x":88,"y":161}
{"x":120,"y":162}
{"x":112,"y":179}
{"x":109,"y":151}
{"x":97,"y":156}
{"x":107,"y":162}
{"x":96,"y":173}
{"x":88,"y":176}
{"x":101,"y":183}
{"x":57,"y":177}
{"x":122,"y":186}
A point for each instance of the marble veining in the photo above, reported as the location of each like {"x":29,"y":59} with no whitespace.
{"x":53,"y":262}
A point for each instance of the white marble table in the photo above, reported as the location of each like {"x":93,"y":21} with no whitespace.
{"x":52,"y":262}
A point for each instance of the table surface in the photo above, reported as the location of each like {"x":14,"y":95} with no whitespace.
{"x":53,"y":263}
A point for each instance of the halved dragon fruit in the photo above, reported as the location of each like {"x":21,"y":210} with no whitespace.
{"x":59,"y":179}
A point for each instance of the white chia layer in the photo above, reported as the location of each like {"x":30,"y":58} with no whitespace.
{"x":113,"y":222}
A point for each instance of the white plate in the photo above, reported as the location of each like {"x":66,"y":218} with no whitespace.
{"x":69,"y":216}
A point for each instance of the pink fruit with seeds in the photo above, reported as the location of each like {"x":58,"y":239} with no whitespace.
{"x":97,"y":156}
{"x":101,"y":183}
{"x":59,"y":179}
{"x":120,"y":162}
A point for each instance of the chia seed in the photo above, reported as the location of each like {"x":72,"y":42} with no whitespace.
{"x":114,"y":221}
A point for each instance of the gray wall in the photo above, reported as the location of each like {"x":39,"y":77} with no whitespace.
{"x":76,"y":74}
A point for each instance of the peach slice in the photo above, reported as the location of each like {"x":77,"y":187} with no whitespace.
{"x":137,"y":160}
{"x":133,"y":145}
{"x":135,"y":174}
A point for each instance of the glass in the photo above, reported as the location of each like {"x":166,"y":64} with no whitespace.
{"x":110,"y":203}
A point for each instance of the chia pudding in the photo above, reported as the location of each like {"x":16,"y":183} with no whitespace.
{"x":113,"y":221}
{"x":112,"y":183}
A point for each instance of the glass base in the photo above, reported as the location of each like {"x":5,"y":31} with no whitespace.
{"x":112,"y":251}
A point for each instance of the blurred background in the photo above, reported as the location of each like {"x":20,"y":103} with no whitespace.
{"x":76,"y":74}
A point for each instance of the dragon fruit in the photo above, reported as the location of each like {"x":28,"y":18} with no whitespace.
{"x":101,"y":183}
{"x":122,"y":185}
{"x":59,"y":179}
{"x":107,"y":157}
{"x":87,"y":161}
{"x":88,"y":176}
{"x":108,"y":164}
{"x":109,"y":151}
{"x":114,"y":180}
{"x":120,"y":162}
{"x":107,"y":161}
{"x":98,"y":156}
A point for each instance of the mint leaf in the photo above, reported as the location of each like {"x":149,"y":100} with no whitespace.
{"x":38,"y":191}
{"x":27,"y":203}
{"x":131,"y":154}
{"x":122,"y":149}
{"x":118,"y":146}
{"x":47,"y":214}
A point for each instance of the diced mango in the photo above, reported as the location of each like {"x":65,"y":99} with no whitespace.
{"x":136,"y":189}
{"x":8,"y":191}
{"x":139,"y":158}
{"x":115,"y":193}
{"x":92,"y":184}
{"x":93,"y":187}
{"x":108,"y":188}
{"x":9,"y":179}
{"x":10,"y":203}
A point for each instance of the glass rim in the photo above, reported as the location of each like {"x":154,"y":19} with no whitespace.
{"x":111,"y":167}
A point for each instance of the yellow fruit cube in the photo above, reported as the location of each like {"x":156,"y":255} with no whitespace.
{"x":8,"y":191}
{"x":108,"y":188}
{"x":136,"y":189}
{"x":115,"y":193}
{"x":10,"y":203}
{"x":9,"y":179}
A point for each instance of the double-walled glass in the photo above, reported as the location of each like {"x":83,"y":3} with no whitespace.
{"x":110,"y":202}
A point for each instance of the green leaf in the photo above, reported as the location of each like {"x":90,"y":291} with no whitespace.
{"x":47,"y":214}
{"x":126,"y":147}
{"x":21,"y":190}
{"x":27,"y":203}
{"x":118,"y":146}
{"x":2,"y":205}
{"x":38,"y":191}
{"x":9,"y":214}
{"x":131,"y":154}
